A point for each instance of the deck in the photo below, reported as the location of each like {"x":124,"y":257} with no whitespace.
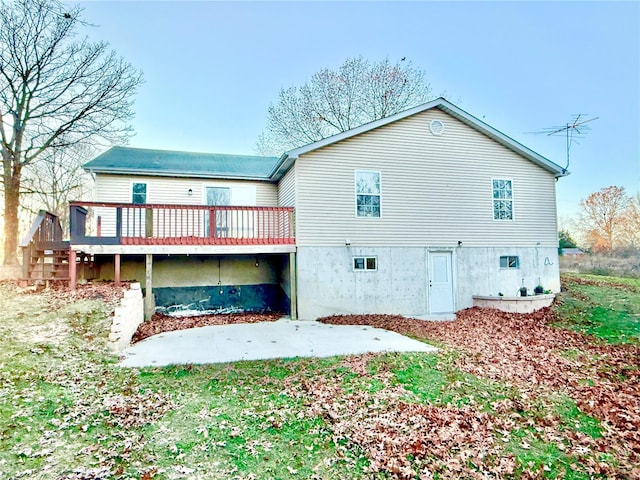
{"x":112,"y":228}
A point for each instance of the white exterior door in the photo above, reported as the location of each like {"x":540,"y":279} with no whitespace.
{"x":441,"y":282}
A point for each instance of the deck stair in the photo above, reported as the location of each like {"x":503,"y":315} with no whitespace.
{"x":45,"y":256}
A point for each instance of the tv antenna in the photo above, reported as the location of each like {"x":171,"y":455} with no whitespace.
{"x":576,"y":128}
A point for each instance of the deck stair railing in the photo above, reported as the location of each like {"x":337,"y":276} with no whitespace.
{"x":45,"y":255}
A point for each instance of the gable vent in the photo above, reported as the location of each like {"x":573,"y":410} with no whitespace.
{"x":436,"y":127}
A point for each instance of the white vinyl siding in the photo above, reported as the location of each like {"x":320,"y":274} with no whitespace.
{"x":437,"y":189}
{"x":287,"y":189}
{"x":167,"y":190}
{"x":266,"y":194}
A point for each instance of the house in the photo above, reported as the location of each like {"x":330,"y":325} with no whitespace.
{"x":412,"y":214}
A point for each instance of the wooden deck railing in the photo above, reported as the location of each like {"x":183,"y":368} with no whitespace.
{"x":45,"y":235}
{"x":157,"y":224}
{"x":45,"y":231}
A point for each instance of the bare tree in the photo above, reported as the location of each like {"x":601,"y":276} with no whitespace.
{"x":56,"y":179}
{"x":334,"y":101}
{"x":55,"y":91}
{"x":601,"y":217}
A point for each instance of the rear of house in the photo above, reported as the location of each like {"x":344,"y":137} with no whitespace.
{"x":417,"y":214}
{"x":202,"y":231}
{"x":413,"y":214}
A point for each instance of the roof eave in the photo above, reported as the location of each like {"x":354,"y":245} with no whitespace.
{"x":289,"y":158}
{"x":282,"y":166}
{"x":180,"y":174}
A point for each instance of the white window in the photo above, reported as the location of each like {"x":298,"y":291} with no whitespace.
{"x":139,"y":193}
{"x":367,"y":193}
{"x":365,"y":263}
{"x":502,"y":199}
{"x":509,"y":261}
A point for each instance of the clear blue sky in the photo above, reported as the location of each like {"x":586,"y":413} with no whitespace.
{"x":212,"y":68}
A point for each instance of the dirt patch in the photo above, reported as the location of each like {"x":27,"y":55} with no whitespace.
{"x":105,"y":291}
{"x":163,"y":323}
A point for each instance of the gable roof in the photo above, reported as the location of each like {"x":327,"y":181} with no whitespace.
{"x":141,"y":161}
{"x":288,"y":158}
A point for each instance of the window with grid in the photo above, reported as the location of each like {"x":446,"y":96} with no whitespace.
{"x":139,"y":193}
{"x":367,"y":193}
{"x":502,"y":199}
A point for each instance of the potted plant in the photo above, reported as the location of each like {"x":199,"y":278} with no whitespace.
{"x":539,"y":290}
{"x":523,"y":289}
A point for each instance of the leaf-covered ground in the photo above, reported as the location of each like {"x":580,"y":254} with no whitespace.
{"x":164,"y":323}
{"x":544,"y":367}
{"x":507,"y":396}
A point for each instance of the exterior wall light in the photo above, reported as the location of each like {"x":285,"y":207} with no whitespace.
{"x":190,"y":192}
{"x":347,"y":242}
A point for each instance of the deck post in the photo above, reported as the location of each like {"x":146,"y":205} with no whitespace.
{"x":116,"y":265}
{"x":293,"y":294}
{"x":26,"y":259}
{"x":119,"y":224}
{"x":149,"y":301}
{"x":72,"y":269}
{"x":148,"y":222}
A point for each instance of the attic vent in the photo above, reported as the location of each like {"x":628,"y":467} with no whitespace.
{"x":436,"y":127}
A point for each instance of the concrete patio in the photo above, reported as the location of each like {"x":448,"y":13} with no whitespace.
{"x":282,"y":339}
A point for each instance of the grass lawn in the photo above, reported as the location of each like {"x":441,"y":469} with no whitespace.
{"x":607,"y":307}
{"x":507,"y":396}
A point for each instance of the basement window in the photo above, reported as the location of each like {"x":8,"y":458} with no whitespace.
{"x":365,"y":263}
{"x":510,"y":261}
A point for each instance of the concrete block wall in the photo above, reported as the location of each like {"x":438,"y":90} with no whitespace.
{"x":515,"y":304}
{"x":126,"y":318}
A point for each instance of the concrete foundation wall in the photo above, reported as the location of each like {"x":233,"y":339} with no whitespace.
{"x":285,"y":276}
{"x":479,"y":272}
{"x":224,"y":299}
{"x":327,"y":283}
{"x":196,"y":270}
{"x":247,"y":282}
